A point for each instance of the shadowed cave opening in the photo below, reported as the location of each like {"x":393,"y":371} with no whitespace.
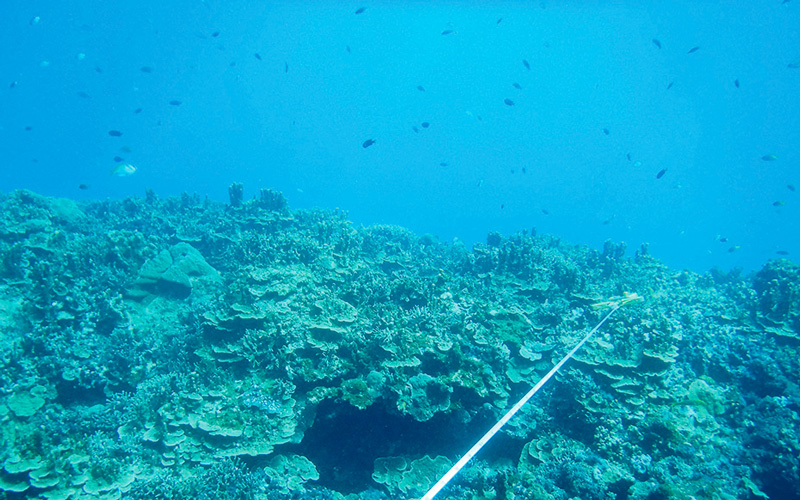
{"x":344,"y":442}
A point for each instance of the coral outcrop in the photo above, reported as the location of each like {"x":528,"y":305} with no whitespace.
{"x":183,"y":348}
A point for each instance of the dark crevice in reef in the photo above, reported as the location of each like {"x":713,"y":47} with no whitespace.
{"x":777,"y":487}
{"x":71,"y":393}
{"x":344,"y":442}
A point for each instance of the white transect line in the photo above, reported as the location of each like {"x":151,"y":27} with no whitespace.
{"x":486,"y":437}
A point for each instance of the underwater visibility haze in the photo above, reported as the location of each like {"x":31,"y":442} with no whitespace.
{"x":315,"y":250}
{"x":284,"y":94}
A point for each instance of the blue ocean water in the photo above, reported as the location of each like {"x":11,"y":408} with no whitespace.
{"x":586,"y":120}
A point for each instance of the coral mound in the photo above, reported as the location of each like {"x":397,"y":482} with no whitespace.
{"x":183,"y":348}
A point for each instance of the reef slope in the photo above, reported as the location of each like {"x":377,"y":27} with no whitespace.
{"x":184,"y":348}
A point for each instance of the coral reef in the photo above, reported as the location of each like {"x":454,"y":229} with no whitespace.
{"x":183,"y":348}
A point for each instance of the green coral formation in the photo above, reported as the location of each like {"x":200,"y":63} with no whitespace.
{"x":182,"y":348}
{"x":409,"y":478}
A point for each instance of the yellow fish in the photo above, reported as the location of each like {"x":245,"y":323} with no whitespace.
{"x":123,"y":170}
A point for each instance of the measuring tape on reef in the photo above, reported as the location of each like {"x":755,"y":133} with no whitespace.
{"x":614,"y":304}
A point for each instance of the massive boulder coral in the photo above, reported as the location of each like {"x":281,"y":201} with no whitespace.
{"x":172,"y":273}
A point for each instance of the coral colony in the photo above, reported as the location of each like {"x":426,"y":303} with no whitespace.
{"x":186,"y":348}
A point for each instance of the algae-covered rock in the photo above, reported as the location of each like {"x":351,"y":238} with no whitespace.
{"x":173,"y":273}
{"x":702,"y":394}
{"x":424,"y":396}
{"x":60,"y":210}
{"x":362,"y":392}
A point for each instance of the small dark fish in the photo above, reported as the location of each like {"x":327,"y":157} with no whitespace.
{"x":28,"y":128}
{"x":13,"y":84}
{"x":285,"y":67}
{"x":606,"y":222}
{"x":368,"y":143}
{"x":146,"y":69}
{"x":790,"y":187}
{"x":782,"y":252}
{"x":115,"y":133}
{"x":232,"y":64}
{"x":425,"y":124}
{"x":661,"y":173}
{"x":794,"y":64}
{"x":508,"y":102}
{"x":83,"y":95}
{"x":257,"y":56}
{"x":137,"y":110}
{"x":420,"y":88}
{"x":526,"y":64}
{"x":736,"y":82}
{"x":656,"y":43}
{"x":347,"y":48}
{"x":215,"y":34}
{"x":733,"y":248}
{"x":693,"y":49}
{"x":779,"y":203}
{"x":502,"y":206}
{"x":499,"y":20}
{"x":670,"y":85}
{"x":98,"y":69}
{"x":175,"y":102}
{"x":723,"y":240}
{"x":415,"y":129}
{"x":769,"y":157}
{"x":523,"y":170}
{"x":544,"y":211}
{"x":119,"y":159}
{"x":83,"y":187}
{"x":516,"y":86}
{"x":447,"y":32}
{"x":605,"y":131}
{"x":360,"y":10}
{"x":443,"y":164}
{"x":628,"y":156}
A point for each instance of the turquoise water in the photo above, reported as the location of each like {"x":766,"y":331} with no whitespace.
{"x":282,"y":95}
{"x":314,"y":251}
